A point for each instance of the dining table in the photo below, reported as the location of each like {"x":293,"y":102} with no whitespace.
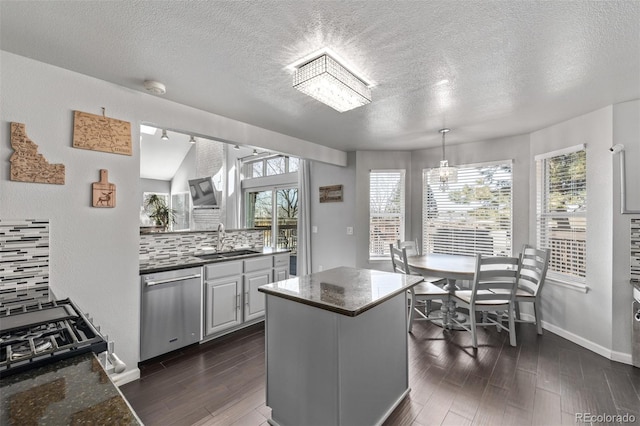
{"x":452,"y":267}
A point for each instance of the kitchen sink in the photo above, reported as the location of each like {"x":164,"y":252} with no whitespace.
{"x":227,"y":254}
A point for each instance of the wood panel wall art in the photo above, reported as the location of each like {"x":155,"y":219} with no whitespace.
{"x":100,"y":133}
{"x":27,"y":165}
{"x":104,"y":192}
{"x":330,"y":194}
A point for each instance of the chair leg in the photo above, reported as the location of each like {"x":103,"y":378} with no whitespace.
{"x":517,"y":306}
{"x":538,"y":316}
{"x":512,"y":327}
{"x":428,"y":308}
{"x":472,"y":323}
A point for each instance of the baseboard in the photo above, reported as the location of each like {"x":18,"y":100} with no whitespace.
{"x":126,"y":377}
{"x":587,"y":344}
{"x":621,"y":357}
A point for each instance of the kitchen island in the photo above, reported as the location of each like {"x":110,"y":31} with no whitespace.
{"x":336,"y":347}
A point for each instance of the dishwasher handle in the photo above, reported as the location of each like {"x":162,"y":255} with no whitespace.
{"x":172,"y":280}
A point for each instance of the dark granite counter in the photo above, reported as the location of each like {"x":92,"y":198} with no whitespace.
{"x":344,"y":290}
{"x":69,"y":392}
{"x":168,"y":263}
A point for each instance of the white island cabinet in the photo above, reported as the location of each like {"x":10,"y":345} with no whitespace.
{"x":336,"y":347}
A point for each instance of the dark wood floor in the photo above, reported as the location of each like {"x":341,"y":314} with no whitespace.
{"x":545,"y":380}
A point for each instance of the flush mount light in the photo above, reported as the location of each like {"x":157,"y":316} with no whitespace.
{"x":444,"y":174}
{"x":164,"y":136}
{"x":192,"y":139}
{"x":155,"y":87}
{"x":327,"y":80}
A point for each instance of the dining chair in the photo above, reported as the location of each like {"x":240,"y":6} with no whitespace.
{"x":492,"y":291}
{"x":420,"y":294}
{"x":413,"y":249}
{"x":533,"y":272}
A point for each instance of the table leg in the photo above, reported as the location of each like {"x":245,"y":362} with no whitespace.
{"x":449,"y":310}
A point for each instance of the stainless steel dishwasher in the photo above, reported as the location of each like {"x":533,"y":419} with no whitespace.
{"x":171,"y":311}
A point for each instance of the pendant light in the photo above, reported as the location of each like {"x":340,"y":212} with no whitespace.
{"x":164,"y":136}
{"x":444,"y":174}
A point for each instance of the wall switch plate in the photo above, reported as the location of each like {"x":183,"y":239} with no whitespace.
{"x":349,"y":230}
{"x":314,"y":229}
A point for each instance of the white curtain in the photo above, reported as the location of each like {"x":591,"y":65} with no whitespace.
{"x":304,"y":218}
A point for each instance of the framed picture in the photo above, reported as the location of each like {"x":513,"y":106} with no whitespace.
{"x":330,"y":194}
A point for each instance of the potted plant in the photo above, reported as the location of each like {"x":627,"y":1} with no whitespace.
{"x":159,"y":212}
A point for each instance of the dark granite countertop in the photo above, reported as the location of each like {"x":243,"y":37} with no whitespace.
{"x":344,"y":290}
{"x":69,"y":392}
{"x":169,"y":263}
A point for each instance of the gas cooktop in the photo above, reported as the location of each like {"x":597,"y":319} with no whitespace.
{"x":35,"y":334}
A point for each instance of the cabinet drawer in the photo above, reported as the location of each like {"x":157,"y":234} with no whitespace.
{"x":257,"y":263}
{"x":222,"y":269}
{"x":281,"y":260}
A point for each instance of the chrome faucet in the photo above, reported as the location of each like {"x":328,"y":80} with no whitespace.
{"x":220,"y":234}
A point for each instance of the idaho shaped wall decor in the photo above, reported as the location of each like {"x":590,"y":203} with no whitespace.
{"x":27,"y":165}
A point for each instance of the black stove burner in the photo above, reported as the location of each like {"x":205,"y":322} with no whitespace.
{"x":37,"y":334}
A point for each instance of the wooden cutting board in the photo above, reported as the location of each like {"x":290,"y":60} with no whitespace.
{"x":104,"y":192}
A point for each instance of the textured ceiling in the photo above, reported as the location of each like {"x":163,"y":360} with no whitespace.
{"x":511,"y":67}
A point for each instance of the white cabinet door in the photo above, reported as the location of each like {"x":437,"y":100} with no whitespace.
{"x":223,"y":303}
{"x":281,"y":273}
{"x":280,"y":267}
{"x":253,"y":299}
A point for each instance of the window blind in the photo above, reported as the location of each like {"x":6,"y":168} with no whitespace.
{"x":562,"y":212}
{"x":473,"y":216}
{"x":386,"y":210}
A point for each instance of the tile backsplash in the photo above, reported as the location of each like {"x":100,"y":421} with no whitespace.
{"x":24,"y":260}
{"x":163,"y":245}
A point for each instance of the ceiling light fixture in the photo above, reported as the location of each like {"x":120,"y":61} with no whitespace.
{"x":330,"y":82}
{"x":192,"y":139}
{"x":255,"y":152}
{"x":444,"y":174}
{"x":236,"y":147}
{"x":155,"y":87}
{"x":164,"y":136}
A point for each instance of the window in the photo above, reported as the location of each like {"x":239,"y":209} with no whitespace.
{"x":386,"y":211}
{"x":270,"y":200}
{"x":270,"y":166}
{"x":562,"y":211}
{"x":181,"y":205}
{"x":473,"y":216}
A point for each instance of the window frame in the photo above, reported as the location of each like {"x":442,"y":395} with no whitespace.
{"x":575,"y":272}
{"x":402,"y":215}
{"x":466,"y":240}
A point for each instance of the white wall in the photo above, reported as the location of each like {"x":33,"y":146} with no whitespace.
{"x":588,"y":316}
{"x":331,"y":246}
{"x":94,"y":252}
